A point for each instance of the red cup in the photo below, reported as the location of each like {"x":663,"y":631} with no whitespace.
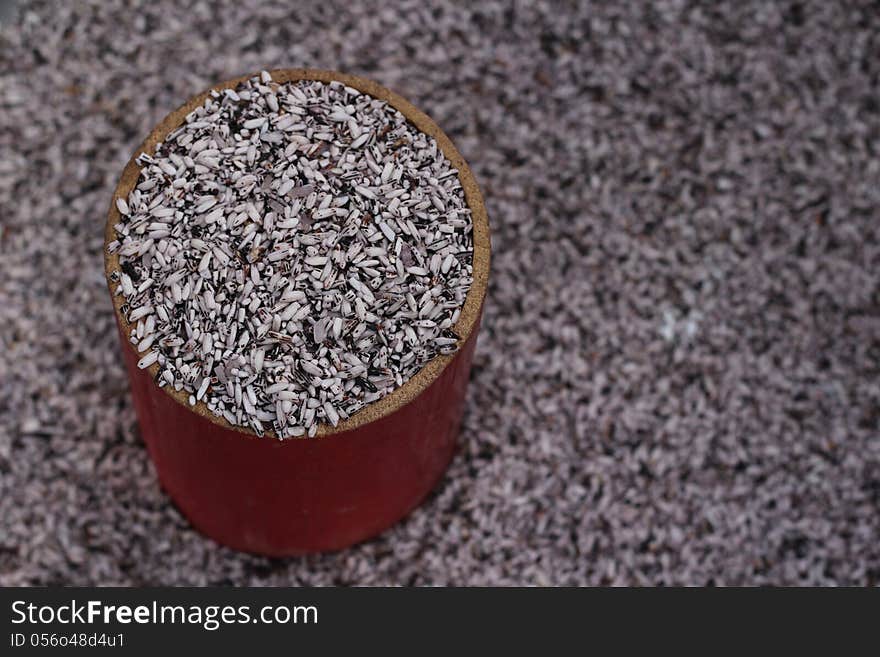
{"x":294,"y":496}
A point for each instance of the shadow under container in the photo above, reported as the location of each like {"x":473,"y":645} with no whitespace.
{"x":349,"y":482}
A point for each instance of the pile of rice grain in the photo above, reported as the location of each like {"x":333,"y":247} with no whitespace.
{"x":292,"y":253}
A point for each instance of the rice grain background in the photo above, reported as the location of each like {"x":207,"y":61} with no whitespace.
{"x":677,"y":375}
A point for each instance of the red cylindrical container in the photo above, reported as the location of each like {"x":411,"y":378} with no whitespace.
{"x":286,"y":497}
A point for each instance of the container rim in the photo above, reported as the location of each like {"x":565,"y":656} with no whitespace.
{"x":470,"y":312}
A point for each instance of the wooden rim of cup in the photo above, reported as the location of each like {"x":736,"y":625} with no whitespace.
{"x":470,"y":311}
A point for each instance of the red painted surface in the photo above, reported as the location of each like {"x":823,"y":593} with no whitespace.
{"x":304,"y":495}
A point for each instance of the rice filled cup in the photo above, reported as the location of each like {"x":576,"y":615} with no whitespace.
{"x":298,"y":261}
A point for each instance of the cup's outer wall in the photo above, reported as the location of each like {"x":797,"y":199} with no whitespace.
{"x":295,"y":496}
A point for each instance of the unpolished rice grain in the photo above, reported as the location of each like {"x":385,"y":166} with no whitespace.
{"x":274,"y":247}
